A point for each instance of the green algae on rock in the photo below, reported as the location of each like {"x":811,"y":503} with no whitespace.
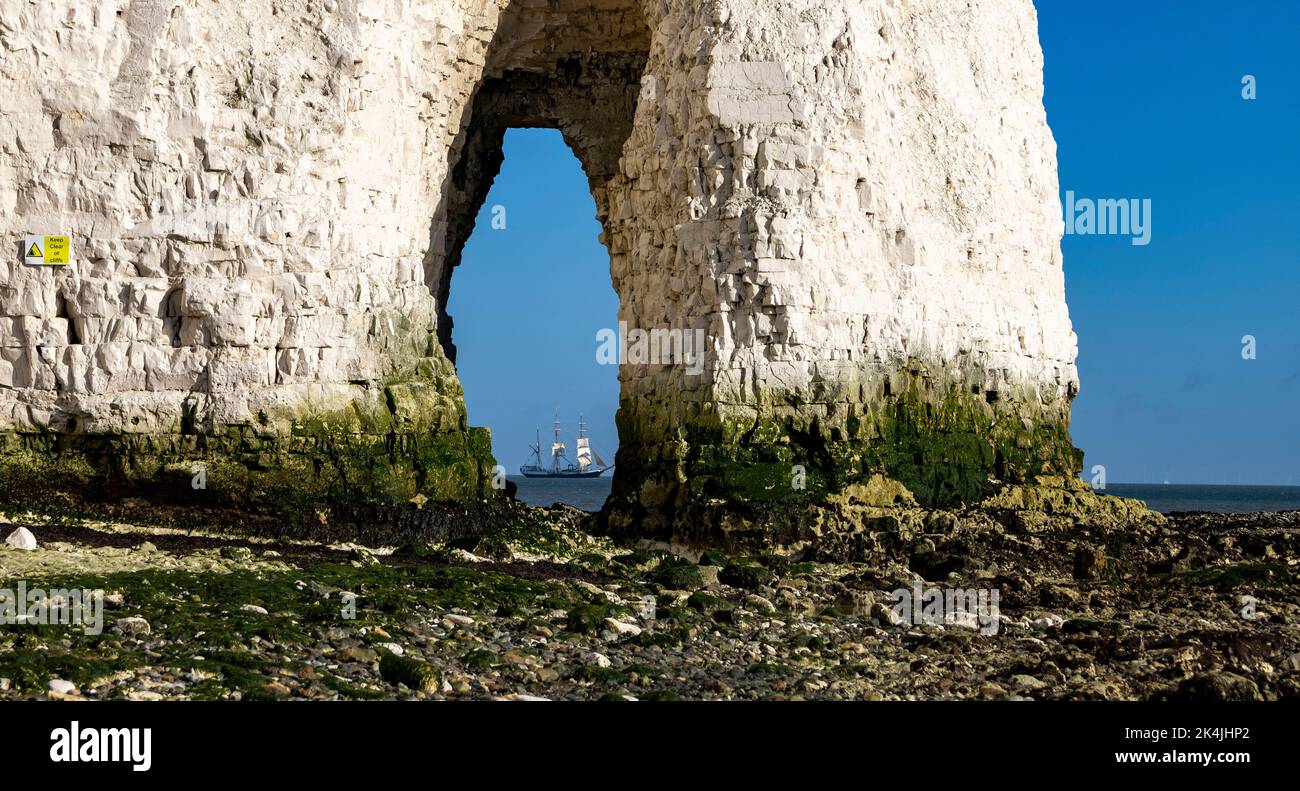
{"x":407,"y":442}
{"x":1168,"y":624}
{"x":911,"y":441}
{"x":411,"y":673}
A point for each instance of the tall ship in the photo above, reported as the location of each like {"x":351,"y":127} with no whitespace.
{"x":588,"y":465}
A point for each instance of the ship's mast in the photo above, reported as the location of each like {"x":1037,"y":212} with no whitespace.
{"x":557,"y":447}
{"x":584,"y":450}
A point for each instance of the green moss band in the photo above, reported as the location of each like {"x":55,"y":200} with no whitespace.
{"x":407,"y":440}
{"x":946,"y":443}
{"x":942,"y":442}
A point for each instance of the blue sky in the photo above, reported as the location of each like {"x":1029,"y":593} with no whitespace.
{"x":1144,"y":100}
{"x":527,"y":301}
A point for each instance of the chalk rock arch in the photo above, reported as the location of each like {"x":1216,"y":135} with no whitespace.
{"x":853,"y":201}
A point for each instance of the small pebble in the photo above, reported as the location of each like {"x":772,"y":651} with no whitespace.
{"x":61,"y":687}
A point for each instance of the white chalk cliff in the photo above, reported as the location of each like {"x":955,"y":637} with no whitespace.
{"x":856,"y":200}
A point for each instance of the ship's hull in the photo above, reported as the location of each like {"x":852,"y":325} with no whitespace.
{"x":547,"y":474}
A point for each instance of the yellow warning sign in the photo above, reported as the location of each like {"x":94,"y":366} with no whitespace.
{"x":47,"y":250}
{"x":58,"y":251}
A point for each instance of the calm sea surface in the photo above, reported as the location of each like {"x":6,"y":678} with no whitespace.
{"x":589,"y":494}
{"x":1169,"y":497}
{"x":586,"y":493}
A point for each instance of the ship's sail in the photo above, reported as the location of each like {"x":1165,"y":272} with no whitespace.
{"x":557,"y":447}
{"x":560,"y":466}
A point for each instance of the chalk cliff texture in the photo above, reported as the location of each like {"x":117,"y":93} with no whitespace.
{"x":855,"y":200}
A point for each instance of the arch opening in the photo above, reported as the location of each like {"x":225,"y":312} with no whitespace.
{"x":574,"y":66}
{"x":532,"y":290}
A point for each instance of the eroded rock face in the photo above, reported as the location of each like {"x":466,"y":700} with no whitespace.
{"x":855,"y":202}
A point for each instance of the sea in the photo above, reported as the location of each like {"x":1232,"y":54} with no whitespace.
{"x":1226,"y":499}
{"x":589,"y":494}
{"x":586,"y":493}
